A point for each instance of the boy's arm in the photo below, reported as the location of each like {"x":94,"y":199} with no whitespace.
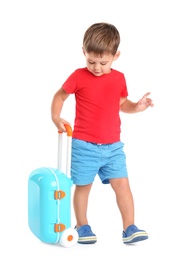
{"x":127,"y":106}
{"x":56,"y":107}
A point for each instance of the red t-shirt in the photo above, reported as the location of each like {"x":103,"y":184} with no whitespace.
{"x":97,"y":117}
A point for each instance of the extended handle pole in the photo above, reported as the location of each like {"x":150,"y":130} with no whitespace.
{"x":61,"y":150}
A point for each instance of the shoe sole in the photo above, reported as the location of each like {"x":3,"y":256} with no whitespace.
{"x":87,"y":240}
{"x":136,"y":237}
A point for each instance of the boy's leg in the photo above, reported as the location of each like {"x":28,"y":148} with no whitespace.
{"x":125,"y":203}
{"x":80,"y":201}
{"x":86,"y":235}
{"x":124,"y":200}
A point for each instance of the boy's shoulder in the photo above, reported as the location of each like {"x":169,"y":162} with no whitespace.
{"x":114,"y":71}
{"x":81,"y":70}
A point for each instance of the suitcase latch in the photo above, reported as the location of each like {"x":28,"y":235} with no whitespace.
{"x":59,"y":194}
{"x":59,"y":227}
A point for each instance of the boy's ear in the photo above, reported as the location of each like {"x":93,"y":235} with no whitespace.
{"x":83,"y":50}
{"x":116,"y":56}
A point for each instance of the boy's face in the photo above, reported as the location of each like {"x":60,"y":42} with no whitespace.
{"x":99,"y":65}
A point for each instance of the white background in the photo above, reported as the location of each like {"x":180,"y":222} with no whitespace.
{"x":40,"y":46}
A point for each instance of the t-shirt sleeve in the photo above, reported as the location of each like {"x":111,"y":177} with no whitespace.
{"x":70,"y":84}
{"x":124,"y":92}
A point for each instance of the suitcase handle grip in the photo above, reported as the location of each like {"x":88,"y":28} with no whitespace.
{"x":68,"y":130}
{"x":61,"y":159}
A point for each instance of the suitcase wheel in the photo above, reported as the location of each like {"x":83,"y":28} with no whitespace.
{"x":69,"y":237}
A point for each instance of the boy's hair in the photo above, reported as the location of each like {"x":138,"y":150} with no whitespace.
{"x":101,"y":38}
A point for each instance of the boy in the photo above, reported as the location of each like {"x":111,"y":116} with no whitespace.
{"x":100,"y":93}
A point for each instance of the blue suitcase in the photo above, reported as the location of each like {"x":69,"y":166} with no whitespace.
{"x":49,"y":200}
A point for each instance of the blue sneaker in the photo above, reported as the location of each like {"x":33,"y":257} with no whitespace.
{"x":133,"y":234}
{"x":86,"y":236}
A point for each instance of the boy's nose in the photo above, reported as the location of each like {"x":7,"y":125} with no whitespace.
{"x":97,"y":67}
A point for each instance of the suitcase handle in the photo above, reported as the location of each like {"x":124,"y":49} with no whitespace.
{"x":61,"y":159}
{"x":68,"y":130}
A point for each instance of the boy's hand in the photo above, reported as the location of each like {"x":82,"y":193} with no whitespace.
{"x":144,"y":103}
{"x":60,"y":122}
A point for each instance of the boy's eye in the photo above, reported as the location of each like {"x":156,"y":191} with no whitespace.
{"x":102,"y":63}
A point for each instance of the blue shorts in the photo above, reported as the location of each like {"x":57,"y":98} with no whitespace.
{"x":89,"y":159}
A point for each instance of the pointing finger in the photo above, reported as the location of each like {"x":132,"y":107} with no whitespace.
{"x":147,"y":94}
